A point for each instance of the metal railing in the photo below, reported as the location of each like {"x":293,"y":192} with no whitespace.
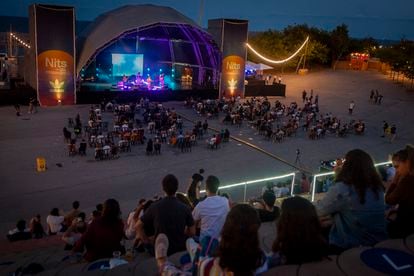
{"x":332,"y":173}
{"x":245,"y":184}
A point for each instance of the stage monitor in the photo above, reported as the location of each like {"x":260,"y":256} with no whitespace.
{"x":127,"y":64}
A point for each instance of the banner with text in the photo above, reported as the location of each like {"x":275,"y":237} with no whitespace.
{"x":55,"y":51}
{"x":234,"y":38}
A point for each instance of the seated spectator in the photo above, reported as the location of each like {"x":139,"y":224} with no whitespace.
{"x":238,"y":252}
{"x":193,"y":191}
{"x":103,"y":236}
{"x":20,"y":232}
{"x":168,"y":216}
{"x":75,"y":231}
{"x":212,"y":211}
{"x":97,"y":213}
{"x":299,"y":234}
{"x":36,"y":227}
{"x":55,"y":222}
{"x":401,"y":192}
{"x":132,"y":220}
{"x":72,"y":214}
{"x":267,"y":210}
{"x":184,"y":199}
{"x":356,"y":204}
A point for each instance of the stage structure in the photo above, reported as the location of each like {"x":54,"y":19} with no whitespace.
{"x":146,"y":48}
{"x":52,"y":54}
{"x":231,"y":36}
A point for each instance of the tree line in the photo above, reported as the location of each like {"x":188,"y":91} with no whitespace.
{"x":326,"y":48}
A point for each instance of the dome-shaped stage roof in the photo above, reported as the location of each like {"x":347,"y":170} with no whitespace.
{"x":113,"y":24}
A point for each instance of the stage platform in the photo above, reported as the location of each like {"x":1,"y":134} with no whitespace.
{"x":96,"y":96}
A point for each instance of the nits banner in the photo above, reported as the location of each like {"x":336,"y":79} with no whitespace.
{"x":231,"y":36}
{"x":55,"y":54}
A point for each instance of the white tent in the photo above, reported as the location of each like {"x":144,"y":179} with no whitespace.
{"x":257,"y":66}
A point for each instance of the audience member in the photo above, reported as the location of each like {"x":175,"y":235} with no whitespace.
{"x":20,"y":232}
{"x":36,"y":227}
{"x":356,"y":204}
{"x":401,"y":192}
{"x":130,"y":232}
{"x":212,"y":211}
{"x":72,"y":214}
{"x":168,"y":216}
{"x":75,"y":231}
{"x":193,"y":191}
{"x":299,"y":234}
{"x":267,"y":210}
{"x":103,"y":236}
{"x":55,"y":222}
{"x":238,"y":252}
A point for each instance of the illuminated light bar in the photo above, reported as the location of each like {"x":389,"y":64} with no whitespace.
{"x":278,"y":61}
{"x":253,"y":181}
{"x":20,"y":40}
{"x":331,"y":173}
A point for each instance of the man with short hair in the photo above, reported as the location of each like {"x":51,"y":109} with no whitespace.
{"x":269,"y":212}
{"x":212,"y":211}
{"x":168,"y":216}
{"x":69,"y":217}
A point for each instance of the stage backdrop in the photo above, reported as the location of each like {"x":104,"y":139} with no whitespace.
{"x":231,"y":36}
{"x":53,"y":36}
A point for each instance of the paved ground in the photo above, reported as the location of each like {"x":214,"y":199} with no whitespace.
{"x":24,"y":192}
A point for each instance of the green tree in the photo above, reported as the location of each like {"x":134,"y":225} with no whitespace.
{"x":339,"y":43}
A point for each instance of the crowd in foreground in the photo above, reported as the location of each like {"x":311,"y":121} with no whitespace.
{"x":221,"y":237}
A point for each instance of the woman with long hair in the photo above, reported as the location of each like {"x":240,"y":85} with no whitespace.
{"x":299,"y":234}
{"x":193,"y":191}
{"x":103,"y":236}
{"x":356,"y":204}
{"x":401,"y":192}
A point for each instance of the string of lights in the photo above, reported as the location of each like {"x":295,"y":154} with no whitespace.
{"x":21,"y":41}
{"x":278,"y":61}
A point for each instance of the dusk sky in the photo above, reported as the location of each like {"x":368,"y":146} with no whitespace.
{"x":381,"y":19}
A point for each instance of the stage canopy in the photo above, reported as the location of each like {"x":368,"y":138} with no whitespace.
{"x":161,"y":38}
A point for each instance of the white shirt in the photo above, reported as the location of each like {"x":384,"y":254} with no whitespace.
{"x":55,"y":223}
{"x":212,"y":212}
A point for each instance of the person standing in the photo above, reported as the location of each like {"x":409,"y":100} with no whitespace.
{"x":371,"y":96}
{"x":393,"y":132}
{"x":297,"y":160}
{"x":380,"y":99}
{"x":304,"y":95}
{"x":351,"y":107}
{"x":384,"y":128}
